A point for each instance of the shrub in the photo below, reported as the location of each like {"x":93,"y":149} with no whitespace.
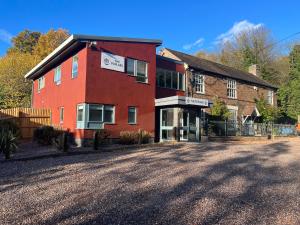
{"x":128,"y":137}
{"x":146,"y":137}
{"x":8,"y":142}
{"x":133,"y":137}
{"x":9,"y":125}
{"x":44,"y":135}
{"x":100,"y":137}
{"x":60,"y":140}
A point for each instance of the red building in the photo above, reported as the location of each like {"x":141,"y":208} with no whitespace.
{"x":120,"y":84}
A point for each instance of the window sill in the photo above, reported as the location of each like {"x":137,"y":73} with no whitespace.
{"x":200,"y":93}
{"x":132,"y":124}
{"x":231,"y":97}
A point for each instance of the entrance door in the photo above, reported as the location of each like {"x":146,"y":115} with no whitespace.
{"x":189,"y":123}
{"x":184,"y":126}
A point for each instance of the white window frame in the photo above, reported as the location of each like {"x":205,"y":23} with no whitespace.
{"x":74,"y":75}
{"x":135,"y":115}
{"x":41,"y":83}
{"x":135,"y":62}
{"x":235,"y":109}
{"x":199,"y":80}
{"x":231,"y":89}
{"x":61,"y":115}
{"x":57,"y":81}
{"x":270,"y":97}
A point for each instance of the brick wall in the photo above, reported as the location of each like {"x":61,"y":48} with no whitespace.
{"x":217,"y":86}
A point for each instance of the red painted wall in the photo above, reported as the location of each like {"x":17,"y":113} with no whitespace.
{"x":68,"y":94}
{"x":168,"y":65}
{"x":122,"y":90}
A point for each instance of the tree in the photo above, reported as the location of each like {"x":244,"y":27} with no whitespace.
{"x":289,"y":93}
{"x":220,"y":110}
{"x":15,"y":90}
{"x":268,"y":112}
{"x":49,"y":41}
{"x":25,"y":41}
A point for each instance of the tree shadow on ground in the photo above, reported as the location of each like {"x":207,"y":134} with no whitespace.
{"x":185,"y":184}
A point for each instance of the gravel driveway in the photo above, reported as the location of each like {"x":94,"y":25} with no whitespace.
{"x":211,"y":183}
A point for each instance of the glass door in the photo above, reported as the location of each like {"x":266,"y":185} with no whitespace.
{"x":184,"y":126}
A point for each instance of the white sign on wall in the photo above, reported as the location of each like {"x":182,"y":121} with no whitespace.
{"x":112,"y":62}
{"x":196,"y":101}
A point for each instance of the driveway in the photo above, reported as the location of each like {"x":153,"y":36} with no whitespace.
{"x":211,"y":183}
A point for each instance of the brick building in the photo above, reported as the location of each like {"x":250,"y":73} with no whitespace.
{"x":92,"y":82}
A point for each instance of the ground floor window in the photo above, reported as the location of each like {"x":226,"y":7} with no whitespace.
{"x":93,"y":116}
{"x":167,"y":123}
{"x":132,"y":115}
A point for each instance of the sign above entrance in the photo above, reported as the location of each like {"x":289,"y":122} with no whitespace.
{"x":112,"y":62}
{"x":196,"y":101}
{"x":182,"y":100}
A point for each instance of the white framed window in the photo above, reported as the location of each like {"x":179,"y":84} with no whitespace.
{"x":199,"y":83}
{"x":74,"y":66}
{"x":169,"y":79}
{"x":270,"y":97}
{"x":61,"y":114}
{"x":101,"y":113}
{"x":231,"y":89}
{"x":41,"y":83}
{"x":137,"y":68}
{"x":132,"y":115}
{"x":57,"y":75}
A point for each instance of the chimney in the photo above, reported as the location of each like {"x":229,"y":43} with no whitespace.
{"x":253,"y":69}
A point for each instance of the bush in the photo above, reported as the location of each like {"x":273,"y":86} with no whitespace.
{"x":9,"y":125}
{"x":44,"y":135}
{"x":100,"y":137}
{"x":133,"y":137}
{"x":128,"y":137}
{"x":60,"y":140}
{"x":8,"y":142}
{"x":146,"y":137}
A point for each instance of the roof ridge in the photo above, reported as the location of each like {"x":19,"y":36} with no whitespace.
{"x":223,"y":66}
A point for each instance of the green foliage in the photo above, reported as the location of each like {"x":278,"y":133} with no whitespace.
{"x":289,"y":93}
{"x":8,"y":142}
{"x":220,"y":110}
{"x":28,"y":48}
{"x":268,"y":112}
{"x":49,"y":41}
{"x":25,"y":42}
{"x":15,"y":90}
{"x":44,"y":135}
{"x":9,"y":125}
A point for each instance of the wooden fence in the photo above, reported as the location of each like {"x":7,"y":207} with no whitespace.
{"x":28,"y":119}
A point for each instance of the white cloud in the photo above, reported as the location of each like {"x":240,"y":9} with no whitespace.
{"x":197,"y":43}
{"x":5,"y":36}
{"x":236,"y":29}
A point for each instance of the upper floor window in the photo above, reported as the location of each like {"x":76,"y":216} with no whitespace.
{"x":231,"y":89}
{"x":137,"y":68}
{"x":75,"y":66}
{"x":169,"y":79}
{"x":57,"y":75}
{"x":199,"y":83}
{"x":270,"y":97}
{"x":41,"y":83}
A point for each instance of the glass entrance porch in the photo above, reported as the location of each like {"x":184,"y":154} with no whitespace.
{"x":184,"y":121}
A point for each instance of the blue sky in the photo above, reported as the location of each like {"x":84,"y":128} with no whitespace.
{"x":186,"y":26}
